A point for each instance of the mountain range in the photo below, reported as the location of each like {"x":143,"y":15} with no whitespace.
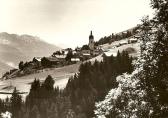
{"x":15,"y":48}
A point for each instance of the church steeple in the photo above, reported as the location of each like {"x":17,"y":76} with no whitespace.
{"x":91,"y":35}
{"x":91,"y":41}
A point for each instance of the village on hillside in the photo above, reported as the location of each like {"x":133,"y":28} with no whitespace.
{"x":69,"y":56}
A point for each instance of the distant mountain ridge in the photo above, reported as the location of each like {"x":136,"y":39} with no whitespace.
{"x":15,"y":48}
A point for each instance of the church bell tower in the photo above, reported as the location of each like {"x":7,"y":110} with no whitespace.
{"x":91,"y":41}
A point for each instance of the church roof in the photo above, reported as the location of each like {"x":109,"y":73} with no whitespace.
{"x":91,"y":35}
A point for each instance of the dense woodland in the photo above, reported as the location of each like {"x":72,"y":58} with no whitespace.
{"x":78,"y":98}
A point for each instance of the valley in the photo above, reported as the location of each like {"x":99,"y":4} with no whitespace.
{"x":61,"y":75}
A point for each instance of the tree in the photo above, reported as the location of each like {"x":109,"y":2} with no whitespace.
{"x":85,"y":47}
{"x":57,"y":53}
{"x":157,"y":66}
{"x":45,"y":63}
{"x":2,"y":106}
{"x":21,"y":65}
{"x":93,"y":82}
{"x":16,"y":102}
{"x":69,"y":56}
{"x":144,"y":92}
{"x":35,"y":88}
{"x":26,"y":65}
{"x":49,"y":83}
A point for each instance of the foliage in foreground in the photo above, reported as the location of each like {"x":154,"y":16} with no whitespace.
{"x":144,"y":92}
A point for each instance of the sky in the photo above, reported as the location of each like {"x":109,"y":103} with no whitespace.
{"x":67,"y":23}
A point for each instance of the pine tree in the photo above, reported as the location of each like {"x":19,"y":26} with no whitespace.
{"x":49,"y":83}
{"x":69,"y":56}
{"x":21,"y":65}
{"x":35,"y":85}
{"x":16,"y":102}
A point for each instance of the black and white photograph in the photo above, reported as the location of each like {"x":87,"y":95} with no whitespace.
{"x":83,"y":58}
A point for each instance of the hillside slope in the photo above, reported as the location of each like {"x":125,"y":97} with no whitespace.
{"x":62,"y":74}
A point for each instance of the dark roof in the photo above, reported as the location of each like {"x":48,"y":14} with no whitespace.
{"x":52,"y":59}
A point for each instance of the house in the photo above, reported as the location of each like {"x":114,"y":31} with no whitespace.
{"x":60,"y":56}
{"x":108,"y":54}
{"x":86,"y":56}
{"x":49,"y":61}
{"x":75,"y":60}
{"x":97,"y":52}
{"x":137,"y":36}
{"x":132,"y":40}
{"x":74,"y":52}
{"x":105,"y":50}
{"x":78,"y":49}
{"x":38,"y":59}
{"x":98,"y":47}
{"x":123,"y":42}
{"x":85,"y":51}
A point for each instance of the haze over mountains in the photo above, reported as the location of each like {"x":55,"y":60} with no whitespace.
{"x":15,"y":48}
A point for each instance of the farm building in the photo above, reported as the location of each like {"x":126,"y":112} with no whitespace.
{"x":49,"y":61}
